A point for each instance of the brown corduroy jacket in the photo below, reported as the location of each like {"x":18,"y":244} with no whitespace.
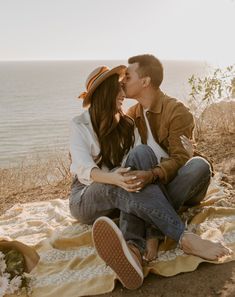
{"x":168,"y":120}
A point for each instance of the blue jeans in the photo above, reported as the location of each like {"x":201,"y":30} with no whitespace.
{"x":188,"y":188}
{"x":190,"y":185}
{"x":137,"y":210}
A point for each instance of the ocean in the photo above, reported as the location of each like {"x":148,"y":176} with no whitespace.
{"x":38,"y":101}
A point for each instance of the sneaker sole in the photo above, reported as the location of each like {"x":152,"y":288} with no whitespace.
{"x":112,"y":248}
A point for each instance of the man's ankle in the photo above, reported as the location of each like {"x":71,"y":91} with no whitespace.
{"x":135,"y":252}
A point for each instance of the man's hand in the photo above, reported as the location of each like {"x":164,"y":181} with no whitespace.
{"x":134,"y":181}
{"x":188,"y":145}
{"x":124,"y":178}
{"x":140,"y":177}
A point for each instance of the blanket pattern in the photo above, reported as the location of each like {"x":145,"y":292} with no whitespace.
{"x":69,"y":264}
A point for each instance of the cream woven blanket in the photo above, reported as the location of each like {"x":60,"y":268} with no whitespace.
{"x":69,"y":265}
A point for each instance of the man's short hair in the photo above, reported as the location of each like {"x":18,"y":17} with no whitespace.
{"x":149,"y":66}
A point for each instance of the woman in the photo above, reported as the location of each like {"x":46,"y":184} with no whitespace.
{"x":116,"y":137}
{"x":104,"y":148}
{"x":102,"y":136}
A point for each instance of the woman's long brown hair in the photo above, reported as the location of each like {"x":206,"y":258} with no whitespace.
{"x":114,"y":130}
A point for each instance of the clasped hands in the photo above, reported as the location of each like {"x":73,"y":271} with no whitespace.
{"x":132,"y":181}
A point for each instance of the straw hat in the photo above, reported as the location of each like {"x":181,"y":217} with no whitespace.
{"x":96,"y":77}
{"x":31,"y":257}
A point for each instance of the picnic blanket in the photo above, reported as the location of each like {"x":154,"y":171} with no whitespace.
{"x":69,"y":264}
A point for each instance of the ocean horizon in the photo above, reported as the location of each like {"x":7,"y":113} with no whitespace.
{"x":38,"y":101}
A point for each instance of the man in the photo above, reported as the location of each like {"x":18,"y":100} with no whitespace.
{"x":162,"y":121}
{"x":160,"y":161}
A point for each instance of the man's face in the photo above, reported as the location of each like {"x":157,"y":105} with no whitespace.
{"x":132,"y":84}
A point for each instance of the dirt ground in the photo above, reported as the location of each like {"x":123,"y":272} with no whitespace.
{"x":209,"y":279}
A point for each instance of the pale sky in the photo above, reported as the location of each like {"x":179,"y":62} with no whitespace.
{"x":111,"y":29}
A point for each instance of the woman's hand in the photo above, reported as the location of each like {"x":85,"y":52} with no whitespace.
{"x":128,"y":182}
{"x":142,"y":178}
{"x":117,"y":177}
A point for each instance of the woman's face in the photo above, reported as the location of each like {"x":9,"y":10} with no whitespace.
{"x":120,"y":98}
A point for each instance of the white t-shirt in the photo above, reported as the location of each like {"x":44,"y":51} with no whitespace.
{"x":158,"y":150}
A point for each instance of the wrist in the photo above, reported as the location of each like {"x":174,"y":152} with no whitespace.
{"x":155,"y":176}
{"x":113,"y":178}
{"x":158,"y":173}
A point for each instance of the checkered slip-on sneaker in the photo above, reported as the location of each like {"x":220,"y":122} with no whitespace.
{"x":112,"y":248}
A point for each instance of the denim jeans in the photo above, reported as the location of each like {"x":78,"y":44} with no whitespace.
{"x":188,"y":188}
{"x":190,"y":185}
{"x":150,"y":206}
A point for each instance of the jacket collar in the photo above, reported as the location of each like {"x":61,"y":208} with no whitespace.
{"x":156,"y":106}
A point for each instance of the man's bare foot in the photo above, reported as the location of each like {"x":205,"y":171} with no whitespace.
{"x":151,"y":249}
{"x":193,"y":244}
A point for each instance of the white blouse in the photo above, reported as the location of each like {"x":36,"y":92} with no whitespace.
{"x":84,"y":147}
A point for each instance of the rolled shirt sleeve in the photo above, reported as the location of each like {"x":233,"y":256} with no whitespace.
{"x":83,"y":149}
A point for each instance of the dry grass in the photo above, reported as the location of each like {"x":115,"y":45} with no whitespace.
{"x":219,"y":117}
{"x":49,"y":178}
